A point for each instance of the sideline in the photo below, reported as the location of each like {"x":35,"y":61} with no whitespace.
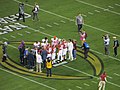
{"x":28,"y":79}
{"x":99,"y":29}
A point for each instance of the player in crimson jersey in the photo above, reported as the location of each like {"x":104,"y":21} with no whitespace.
{"x":103,"y":81}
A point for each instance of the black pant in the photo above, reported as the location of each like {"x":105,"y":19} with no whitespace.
{"x":44,"y":64}
{"x":79,"y":27}
{"x":21,"y":15}
{"x":49,"y":72}
{"x":35,"y":15}
{"x":115,"y":51}
{"x":86,"y":53}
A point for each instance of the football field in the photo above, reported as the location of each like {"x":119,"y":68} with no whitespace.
{"x":57,"y":18}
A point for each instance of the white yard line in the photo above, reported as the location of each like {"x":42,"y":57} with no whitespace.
{"x":99,"y":29}
{"x":12,"y":36}
{"x":20,"y":34}
{"x":109,"y":77}
{"x":117,"y":13}
{"x":56,"y":23}
{"x":94,"y":82}
{"x":86,"y":84}
{"x":28,"y":79}
{"x":5,"y":38}
{"x":28,"y":32}
{"x":117,"y":4}
{"x":117,"y":74}
{"x":110,"y":7}
{"x":62,"y":21}
{"x":97,"y":11}
{"x":84,"y":15}
{"x":90,"y":13}
{"x":79,"y":87}
{"x":42,"y":27}
{"x":48,"y":25}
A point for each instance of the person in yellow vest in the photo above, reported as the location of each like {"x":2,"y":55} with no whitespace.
{"x":49,"y":67}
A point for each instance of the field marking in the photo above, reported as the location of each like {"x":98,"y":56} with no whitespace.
{"x":42,"y":27}
{"x":117,"y":74}
{"x":110,"y":7}
{"x":86,"y":84}
{"x":28,"y":79}
{"x":12,"y":36}
{"x":109,"y":77}
{"x":5,"y":38}
{"x":84,"y":15}
{"x":117,"y":13}
{"x":20,"y":34}
{"x":90,"y":13}
{"x":48,"y":25}
{"x":79,"y":87}
{"x":62,"y":21}
{"x":97,"y":11}
{"x":81,"y":72}
{"x":117,"y":4}
{"x":94,"y":82}
{"x":99,"y":29}
{"x":56,"y":23}
{"x":28,"y":32}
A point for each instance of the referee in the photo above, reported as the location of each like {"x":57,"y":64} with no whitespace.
{"x":79,"y":22}
{"x":21,"y":12}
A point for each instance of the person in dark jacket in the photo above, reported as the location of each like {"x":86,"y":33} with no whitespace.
{"x":115,"y":46}
{"x":44,"y":56}
{"x":31,"y":60}
{"x":86,"y":49}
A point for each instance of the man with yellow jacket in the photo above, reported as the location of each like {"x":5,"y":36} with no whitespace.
{"x":49,"y":67}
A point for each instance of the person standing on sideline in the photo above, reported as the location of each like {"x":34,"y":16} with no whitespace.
{"x":86,"y":49}
{"x":115,"y":46}
{"x":21,"y":12}
{"x":106,"y":44}
{"x":44,"y":56}
{"x":31,"y":60}
{"x":49,"y":67}
{"x":74,"y":48}
{"x":103,"y":81}
{"x":35,"y":11}
{"x":70,"y":50}
{"x":38,"y":61}
{"x":79,"y":22}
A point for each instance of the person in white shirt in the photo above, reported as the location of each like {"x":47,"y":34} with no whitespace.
{"x":70,"y":50}
{"x":38,"y":61}
{"x":106,"y":44}
{"x":36,"y":44}
{"x":35,"y":11}
{"x":54,"y":41}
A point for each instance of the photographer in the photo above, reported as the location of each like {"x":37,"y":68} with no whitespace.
{"x":106,"y":43}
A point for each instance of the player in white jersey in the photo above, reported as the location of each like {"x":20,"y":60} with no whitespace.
{"x":64,"y":53}
{"x":43,"y":44}
{"x":54,"y":41}
{"x":70,"y":50}
{"x":60,"y":50}
{"x":49,"y":50}
{"x":36,"y":44}
{"x":53,"y":52}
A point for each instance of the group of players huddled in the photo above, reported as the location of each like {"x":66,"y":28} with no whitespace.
{"x":57,"y":50}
